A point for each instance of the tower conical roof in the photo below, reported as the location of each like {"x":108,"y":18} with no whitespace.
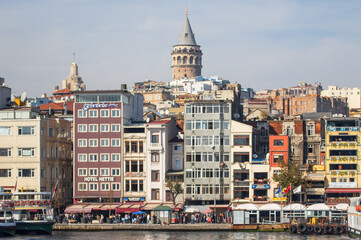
{"x":187,"y":37}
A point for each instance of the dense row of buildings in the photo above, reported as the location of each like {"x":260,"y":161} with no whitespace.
{"x":222,"y":142}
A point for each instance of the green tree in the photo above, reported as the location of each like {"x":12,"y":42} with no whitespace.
{"x":290,"y":174}
{"x":175,"y":187}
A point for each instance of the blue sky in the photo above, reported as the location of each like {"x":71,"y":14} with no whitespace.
{"x":259,"y":44}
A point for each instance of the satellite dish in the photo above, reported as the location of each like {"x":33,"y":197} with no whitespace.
{"x":12,"y":97}
{"x":23,"y":97}
{"x":236,"y":115}
{"x":255,"y":155}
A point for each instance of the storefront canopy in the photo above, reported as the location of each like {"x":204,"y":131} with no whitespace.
{"x":318,"y":207}
{"x":163,"y":208}
{"x":77,"y":208}
{"x":294,"y":207}
{"x":247,"y":206}
{"x":270,"y":206}
{"x":342,"y":207}
{"x":109,"y":207}
{"x":343,"y":190}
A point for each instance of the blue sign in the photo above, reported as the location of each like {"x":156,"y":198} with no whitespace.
{"x":260,"y":186}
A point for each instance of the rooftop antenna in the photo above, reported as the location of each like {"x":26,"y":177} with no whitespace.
{"x":187,"y":10}
{"x":73,"y":56}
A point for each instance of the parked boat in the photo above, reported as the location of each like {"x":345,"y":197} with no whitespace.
{"x":354,"y":217}
{"x":33,"y":212}
{"x":7,"y":223}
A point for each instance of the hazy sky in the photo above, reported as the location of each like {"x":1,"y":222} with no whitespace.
{"x":260,"y":44}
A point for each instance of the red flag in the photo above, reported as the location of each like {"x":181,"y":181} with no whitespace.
{"x":55,"y":189}
{"x":288,"y":189}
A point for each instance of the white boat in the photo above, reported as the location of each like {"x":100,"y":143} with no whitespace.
{"x":7,"y":222}
{"x":354,"y":217}
{"x":33,"y":212}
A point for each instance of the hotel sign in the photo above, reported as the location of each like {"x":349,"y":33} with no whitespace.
{"x":99,"y":105}
{"x":278,"y":199}
{"x":100,"y":179}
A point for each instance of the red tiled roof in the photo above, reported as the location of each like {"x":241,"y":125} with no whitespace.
{"x":53,"y":106}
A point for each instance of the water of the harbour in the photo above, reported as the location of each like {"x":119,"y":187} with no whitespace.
{"x":152,"y":235}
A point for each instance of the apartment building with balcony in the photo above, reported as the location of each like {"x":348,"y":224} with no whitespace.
{"x":343,"y":156}
{"x":35,"y":153}
{"x":207,"y":152}
{"x":158,"y":135}
{"x":99,"y":119}
{"x":134,"y":162}
{"x":241,"y":158}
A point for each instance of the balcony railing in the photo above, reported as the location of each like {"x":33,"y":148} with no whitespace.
{"x":244,"y":183}
{"x":350,"y":128}
{"x":349,"y":159}
{"x":344,"y":144}
{"x":260,"y":198}
{"x":338,"y":200}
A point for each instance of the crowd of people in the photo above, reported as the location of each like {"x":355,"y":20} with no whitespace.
{"x":147,"y":218}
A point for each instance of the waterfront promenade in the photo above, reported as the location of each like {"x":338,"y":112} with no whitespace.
{"x":170,"y":227}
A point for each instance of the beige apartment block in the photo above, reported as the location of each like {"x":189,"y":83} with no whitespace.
{"x":35,"y":153}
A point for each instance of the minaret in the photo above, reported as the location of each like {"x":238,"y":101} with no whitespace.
{"x":186,"y":55}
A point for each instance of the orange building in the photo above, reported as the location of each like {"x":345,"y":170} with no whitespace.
{"x":278,"y":150}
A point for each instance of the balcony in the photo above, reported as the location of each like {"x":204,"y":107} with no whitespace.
{"x":260,"y":198}
{"x":344,"y":159}
{"x":342,"y":185}
{"x":344,"y":145}
{"x":241,"y":183}
{"x":343,"y":129}
{"x":264,"y":181}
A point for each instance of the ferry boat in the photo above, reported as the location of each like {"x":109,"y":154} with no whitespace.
{"x":354,"y":217}
{"x":7,"y":223}
{"x":33,"y":212}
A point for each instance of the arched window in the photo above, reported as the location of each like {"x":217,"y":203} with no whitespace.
{"x":196,"y":60}
{"x":184,"y":60}
{"x":191,"y":60}
{"x":179,"y":60}
{"x":173,"y":59}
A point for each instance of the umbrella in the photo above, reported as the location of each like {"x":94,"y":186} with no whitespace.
{"x":208,"y":211}
{"x":138,"y":213}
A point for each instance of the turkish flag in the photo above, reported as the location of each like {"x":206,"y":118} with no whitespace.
{"x":288,"y":189}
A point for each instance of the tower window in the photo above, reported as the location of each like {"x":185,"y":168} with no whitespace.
{"x":191,"y":60}
{"x":179,"y":60}
{"x":184,"y":60}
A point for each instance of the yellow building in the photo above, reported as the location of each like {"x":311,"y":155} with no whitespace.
{"x":35,"y":153}
{"x":343,"y":147}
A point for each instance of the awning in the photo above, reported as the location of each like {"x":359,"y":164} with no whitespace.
{"x":150,"y":206}
{"x":110,"y":206}
{"x":94,"y":207}
{"x":127,"y":210}
{"x":77,"y":208}
{"x":343,"y":190}
{"x":220,"y":206}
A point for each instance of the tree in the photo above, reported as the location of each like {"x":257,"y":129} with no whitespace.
{"x":175,"y":187}
{"x":290,"y":174}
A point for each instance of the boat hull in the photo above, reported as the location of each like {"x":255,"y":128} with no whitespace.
{"x":354,"y":233}
{"x":37,"y":227}
{"x":7,"y":230}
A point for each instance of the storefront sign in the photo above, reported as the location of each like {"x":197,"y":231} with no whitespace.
{"x":318,"y":167}
{"x":101,"y":179}
{"x":278,"y":199}
{"x":99,"y":105}
{"x":260,"y":186}
{"x":134,"y":199}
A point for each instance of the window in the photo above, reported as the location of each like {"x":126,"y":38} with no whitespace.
{"x":115,"y":186}
{"x":155,"y":157}
{"x":82,"y":186}
{"x":5,"y":172}
{"x":134,"y":146}
{"x":82,"y":114}
{"x":155,"y":138}
{"x":82,"y":172}
{"x":104,"y":127}
{"x":127,"y":186}
{"x":93,"y":157}
{"x":177,"y":163}
{"x":93,"y":142}
{"x":278,"y":142}
{"x":276,"y":172}
{"x":82,"y":143}
{"x":155,"y":194}
{"x":141,"y":146}
{"x":104,"y":157}
{"x":51,"y":132}
{"x":82,"y":158}
{"x":93,"y":186}
{"x":104,"y":113}
{"x":310,"y":148}
{"x":177,"y":147}
{"x":26,"y":172}
{"x":115,"y":157}
{"x":278,"y":158}
{"x":104,"y":142}
{"x":104,"y":172}
{"x":115,"y":113}
{"x":5,"y":131}
{"x":115,"y":127}
{"x":115,"y":171}
{"x":93,"y":113}
{"x":93,"y":172}
{"x":310,"y":130}
{"x":241,"y":140}
{"x":5,"y":152}
{"x":241,"y":157}
{"x":115,"y":142}
{"x":333,"y":179}
{"x":25,"y":130}
{"x":26,"y":152}
{"x":93,"y":127}
{"x":82,"y":128}
{"x":155,"y":175}
{"x":134,"y":185}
